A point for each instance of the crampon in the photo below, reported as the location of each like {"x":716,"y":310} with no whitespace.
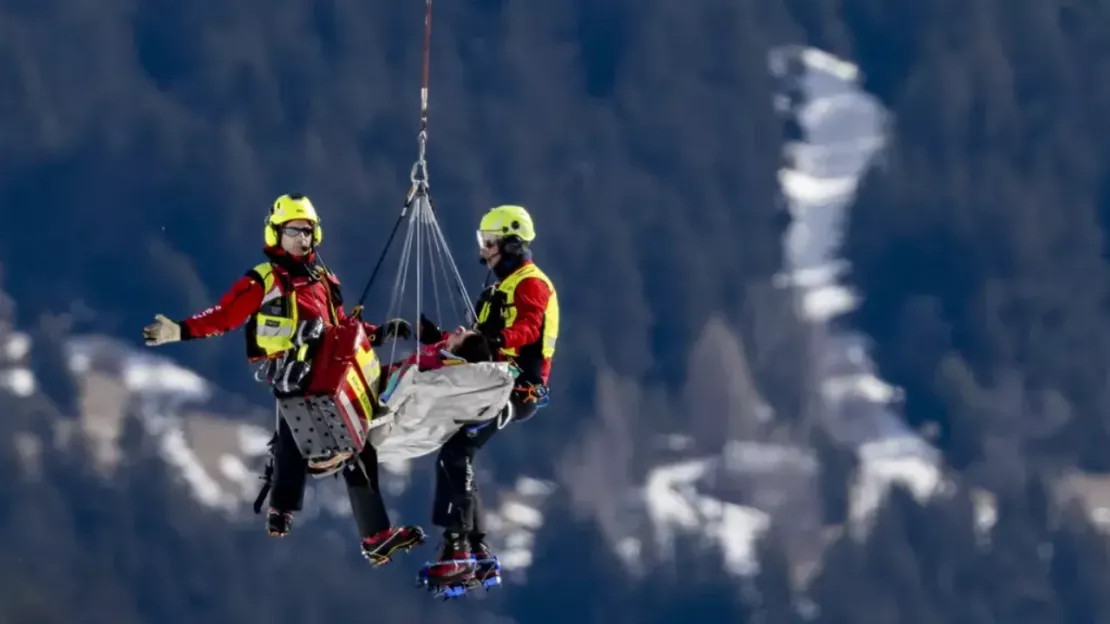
{"x":487,"y":573}
{"x":446,"y":587}
{"x":476,"y":575}
{"x":380,"y":548}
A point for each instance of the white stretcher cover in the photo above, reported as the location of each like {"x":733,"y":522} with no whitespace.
{"x":428,"y":407}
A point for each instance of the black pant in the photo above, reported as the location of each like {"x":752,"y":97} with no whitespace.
{"x":457,"y":506}
{"x":291,"y":474}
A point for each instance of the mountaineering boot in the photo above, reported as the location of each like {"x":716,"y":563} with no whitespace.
{"x":279,"y":523}
{"x":487,"y":567}
{"x":380,"y":547}
{"x":455,"y":565}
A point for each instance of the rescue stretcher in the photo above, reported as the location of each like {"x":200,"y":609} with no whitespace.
{"x":340,"y":409}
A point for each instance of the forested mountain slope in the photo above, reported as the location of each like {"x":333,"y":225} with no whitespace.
{"x":144,"y":141}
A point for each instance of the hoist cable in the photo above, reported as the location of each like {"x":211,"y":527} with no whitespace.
{"x":381,"y":257}
{"x":423,"y":232}
{"x":460,"y":285}
{"x":427,"y":61}
{"x":401,"y":278}
{"x":402,"y":274}
{"x":433,"y":255}
{"x":423,"y":187}
{"x":419,"y":174}
{"x":421,"y":201}
{"x":452,"y":301}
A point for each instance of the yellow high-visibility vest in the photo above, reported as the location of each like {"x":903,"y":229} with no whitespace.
{"x":550,"y":331}
{"x":270,"y":331}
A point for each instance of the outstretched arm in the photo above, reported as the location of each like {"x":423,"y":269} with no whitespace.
{"x":234,"y":308}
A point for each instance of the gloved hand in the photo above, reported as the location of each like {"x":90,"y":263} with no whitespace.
{"x":394,"y":328}
{"x":291,"y":377}
{"x":526,"y":400}
{"x":161,"y":331}
{"x":428,"y":333}
{"x":308,"y":332}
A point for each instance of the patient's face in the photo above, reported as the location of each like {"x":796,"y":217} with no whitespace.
{"x":456,"y":338}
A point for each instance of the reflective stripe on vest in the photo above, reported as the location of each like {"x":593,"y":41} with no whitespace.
{"x":550,"y":327}
{"x":276,"y":319}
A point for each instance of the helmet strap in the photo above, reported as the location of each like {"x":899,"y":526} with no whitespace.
{"x":509,"y":262}
{"x":512,"y":245}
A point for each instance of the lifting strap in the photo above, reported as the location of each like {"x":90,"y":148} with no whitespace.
{"x":425,"y":244}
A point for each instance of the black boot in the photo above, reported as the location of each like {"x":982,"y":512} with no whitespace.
{"x":487,"y":567}
{"x":380,"y":547}
{"x":279,"y":523}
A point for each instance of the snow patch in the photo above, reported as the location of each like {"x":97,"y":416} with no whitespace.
{"x":254,"y":441}
{"x":831,"y":64}
{"x":513,"y":523}
{"x":522,"y":515}
{"x":863,"y":386}
{"x":534,"y":488}
{"x":159,"y":388}
{"x":142,"y":373}
{"x":19,"y":381}
{"x":804,"y":188}
{"x":17,"y":347}
{"x":843,"y":129}
{"x":175,"y":449}
{"x":886,"y":462}
{"x":16,"y":378}
{"x":675,"y":507}
{"x":164,"y":378}
{"x":825,"y":303}
{"x":235,"y":470}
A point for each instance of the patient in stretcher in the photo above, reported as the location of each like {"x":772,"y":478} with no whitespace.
{"x":457,"y":347}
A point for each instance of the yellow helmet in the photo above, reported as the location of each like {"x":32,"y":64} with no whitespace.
{"x":291,"y":207}
{"x":505,"y":221}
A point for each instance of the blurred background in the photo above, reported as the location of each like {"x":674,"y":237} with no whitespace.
{"x":835,"y":340}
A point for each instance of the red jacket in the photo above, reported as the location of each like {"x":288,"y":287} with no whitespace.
{"x":429,"y":359}
{"x":244,"y":298}
{"x":530,"y":298}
